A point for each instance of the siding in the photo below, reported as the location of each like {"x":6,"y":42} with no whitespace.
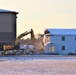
{"x":69,"y":43}
{"x":7,"y":27}
{"x":7,"y":22}
{"x":7,"y":37}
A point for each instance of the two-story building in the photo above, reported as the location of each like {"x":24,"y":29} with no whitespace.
{"x":62,"y":41}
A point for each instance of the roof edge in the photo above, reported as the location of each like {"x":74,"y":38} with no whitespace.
{"x":7,"y":11}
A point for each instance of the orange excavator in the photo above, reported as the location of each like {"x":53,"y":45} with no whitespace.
{"x":16,"y":45}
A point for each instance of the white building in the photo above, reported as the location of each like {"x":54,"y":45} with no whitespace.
{"x":62,"y":41}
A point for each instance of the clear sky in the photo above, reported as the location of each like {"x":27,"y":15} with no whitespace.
{"x":41,"y":14}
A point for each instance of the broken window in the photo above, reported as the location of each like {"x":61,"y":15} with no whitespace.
{"x":51,"y":49}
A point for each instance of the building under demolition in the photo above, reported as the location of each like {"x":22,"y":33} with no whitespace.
{"x":62,"y":41}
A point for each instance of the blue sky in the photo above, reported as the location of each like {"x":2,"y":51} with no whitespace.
{"x":41,"y":14}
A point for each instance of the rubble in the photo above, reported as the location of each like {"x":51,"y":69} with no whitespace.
{"x":37,"y":46}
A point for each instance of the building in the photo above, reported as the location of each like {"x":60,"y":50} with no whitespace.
{"x":62,"y":41}
{"x":7,"y":26}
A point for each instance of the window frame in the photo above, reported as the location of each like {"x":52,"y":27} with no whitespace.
{"x":63,"y":38}
{"x":75,"y":38}
{"x":63,"y":47}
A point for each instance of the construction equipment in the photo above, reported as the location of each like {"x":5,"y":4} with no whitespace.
{"x":16,"y":45}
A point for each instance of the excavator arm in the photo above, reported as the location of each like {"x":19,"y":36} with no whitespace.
{"x":16,"y":45}
{"x":24,"y":34}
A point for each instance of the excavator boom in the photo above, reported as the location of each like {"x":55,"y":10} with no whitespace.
{"x":26,"y":33}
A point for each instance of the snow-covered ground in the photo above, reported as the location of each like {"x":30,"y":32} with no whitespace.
{"x":38,"y":65}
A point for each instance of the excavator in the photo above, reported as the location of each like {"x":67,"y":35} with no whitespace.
{"x":16,"y":45}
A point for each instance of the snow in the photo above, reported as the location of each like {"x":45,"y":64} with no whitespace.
{"x":38,"y":65}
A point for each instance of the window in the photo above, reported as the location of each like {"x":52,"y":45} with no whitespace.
{"x":63,"y":47}
{"x":51,"y":49}
{"x":63,"y":38}
{"x":75,"y":38}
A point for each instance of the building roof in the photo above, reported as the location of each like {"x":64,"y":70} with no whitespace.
{"x":62,"y":31}
{"x":7,"y":11}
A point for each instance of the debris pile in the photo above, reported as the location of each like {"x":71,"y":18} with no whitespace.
{"x":36,"y":46}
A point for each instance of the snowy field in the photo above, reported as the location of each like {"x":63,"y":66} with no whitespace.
{"x":38,"y":65}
